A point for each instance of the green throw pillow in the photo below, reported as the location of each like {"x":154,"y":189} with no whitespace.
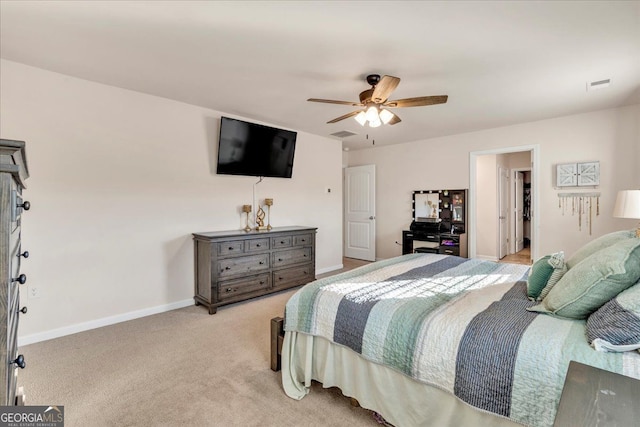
{"x":594,"y":281}
{"x":539,"y":276}
{"x":559,"y":268}
{"x":599,"y":244}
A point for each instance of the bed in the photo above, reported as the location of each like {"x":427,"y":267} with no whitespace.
{"x":429,"y":339}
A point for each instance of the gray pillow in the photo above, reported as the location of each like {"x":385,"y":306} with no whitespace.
{"x":616,"y":325}
{"x":598,"y":244}
{"x":594,"y":281}
{"x":559,"y":270}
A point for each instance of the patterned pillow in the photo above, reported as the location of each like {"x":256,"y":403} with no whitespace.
{"x":616,"y":325}
{"x":544,"y":271}
{"x":559,"y":269}
{"x":599,"y":244}
{"x":594,"y":281}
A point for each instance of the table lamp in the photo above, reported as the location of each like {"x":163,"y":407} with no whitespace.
{"x":628,"y":206}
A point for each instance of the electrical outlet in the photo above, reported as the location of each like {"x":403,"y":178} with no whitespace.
{"x":34,"y":292}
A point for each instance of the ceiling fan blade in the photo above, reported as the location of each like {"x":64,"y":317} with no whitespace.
{"x":417,"y":102}
{"x":331,"y":101}
{"x":383,"y":89}
{"x":395,"y":119}
{"x":346,"y":116}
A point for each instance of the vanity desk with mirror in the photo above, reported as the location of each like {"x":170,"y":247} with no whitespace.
{"x":438,"y":223}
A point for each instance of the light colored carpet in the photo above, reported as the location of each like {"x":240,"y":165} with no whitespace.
{"x":183,"y":367}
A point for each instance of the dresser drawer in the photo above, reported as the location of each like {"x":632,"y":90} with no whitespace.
{"x":256,"y":245}
{"x":302,"y":240}
{"x":295,"y":276}
{"x":449,"y":250}
{"x":230,"y":248}
{"x":281,"y":242}
{"x":291,"y":256}
{"x":243,"y":265}
{"x":234,"y":288}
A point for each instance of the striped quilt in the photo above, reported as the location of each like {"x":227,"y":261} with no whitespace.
{"x":457,"y":324}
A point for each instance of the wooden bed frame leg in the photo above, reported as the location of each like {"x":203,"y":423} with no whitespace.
{"x":277,"y":338}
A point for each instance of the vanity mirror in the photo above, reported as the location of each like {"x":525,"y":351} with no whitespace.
{"x":426,"y":206}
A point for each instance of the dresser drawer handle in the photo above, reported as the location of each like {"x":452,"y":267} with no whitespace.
{"x":279,"y":278}
{"x":282,"y":242}
{"x":22,"y":279}
{"x":258,"y":245}
{"x":24,"y":254}
{"x":229,"y":289}
{"x":19,"y":361}
{"x":279,"y":259}
{"x":262,"y":282}
{"x":226,"y":268}
{"x":304,"y":255}
{"x":26,"y":205}
{"x":261,"y":263}
{"x":230,"y":248}
{"x":23,"y":310}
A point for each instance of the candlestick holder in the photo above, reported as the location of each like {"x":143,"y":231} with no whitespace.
{"x":268,"y":203}
{"x":247,"y":209}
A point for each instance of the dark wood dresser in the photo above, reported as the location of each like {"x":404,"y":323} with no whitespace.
{"x":233,"y":266}
{"x":13,"y":172}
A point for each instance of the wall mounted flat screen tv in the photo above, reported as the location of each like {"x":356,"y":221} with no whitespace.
{"x":255,"y":150}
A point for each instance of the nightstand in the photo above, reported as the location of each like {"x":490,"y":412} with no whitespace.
{"x":595,"y":397}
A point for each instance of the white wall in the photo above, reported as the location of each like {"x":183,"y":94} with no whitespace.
{"x":119,"y":181}
{"x":610,"y":136}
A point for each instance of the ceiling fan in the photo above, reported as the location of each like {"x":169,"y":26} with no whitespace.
{"x":375,"y":99}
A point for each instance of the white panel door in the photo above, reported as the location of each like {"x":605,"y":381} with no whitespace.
{"x":503,"y":212}
{"x":519,"y":211}
{"x":360,"y":212}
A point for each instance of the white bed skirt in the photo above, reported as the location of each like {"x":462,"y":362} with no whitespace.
{"x":401,"y":400}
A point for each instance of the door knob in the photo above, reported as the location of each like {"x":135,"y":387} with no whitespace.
{"x":372,"y":217}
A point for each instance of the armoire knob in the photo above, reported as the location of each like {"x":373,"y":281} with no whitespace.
{"x":20,"y":361}
{"x":23,"y":310}
{"x":22,"y":279}
{"x":24,"y":254}
{"x":25,"y":205}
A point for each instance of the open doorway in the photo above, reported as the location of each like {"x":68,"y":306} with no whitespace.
{"x":495,"y":230}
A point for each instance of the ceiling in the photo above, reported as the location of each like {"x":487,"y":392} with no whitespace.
{"x":501,"y":63}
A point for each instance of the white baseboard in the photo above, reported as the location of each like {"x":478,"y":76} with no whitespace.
{"x":111,"y":320}
{"x":328,"y":269}
{"x":98,"y":323}
{"x":487,"y":258}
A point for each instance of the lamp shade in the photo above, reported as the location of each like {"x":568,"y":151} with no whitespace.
{"x":627,"y":204}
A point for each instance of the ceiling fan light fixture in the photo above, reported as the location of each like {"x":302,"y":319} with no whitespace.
{"x":375,"y":123}
{"x":372,"y":114}
{"x":361,"y":118}
{"x":386,"y":116}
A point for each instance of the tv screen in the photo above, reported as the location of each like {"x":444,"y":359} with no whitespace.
{"x":256,"y":150}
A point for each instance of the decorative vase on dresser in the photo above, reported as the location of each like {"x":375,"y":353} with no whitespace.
{"x":13,"y":173}
{"x":233,"y":266}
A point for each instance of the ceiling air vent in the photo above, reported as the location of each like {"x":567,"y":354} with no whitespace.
{"x":600,"y":84}
{"x":343,"y":134}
